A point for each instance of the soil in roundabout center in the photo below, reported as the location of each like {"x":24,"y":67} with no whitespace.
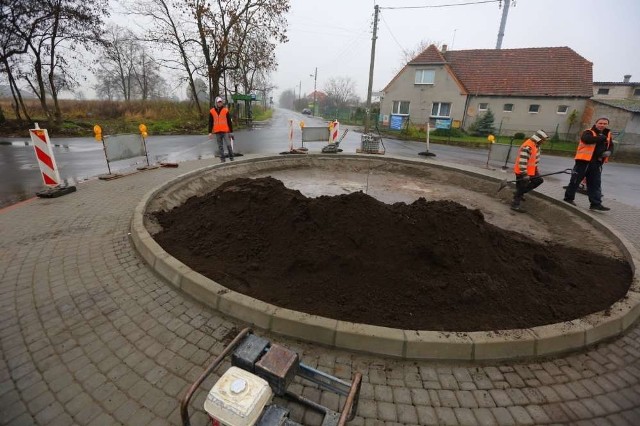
{"x":428,"y":265}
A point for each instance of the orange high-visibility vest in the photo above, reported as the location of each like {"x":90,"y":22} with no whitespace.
{"x":532,"y":162}
{"x":220,"y":124}
{"x":585,"y":151}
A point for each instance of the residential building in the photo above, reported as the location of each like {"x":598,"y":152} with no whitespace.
{"x":620,"y":102}
{"x":625,"y":89}
{"x":526,"y":89}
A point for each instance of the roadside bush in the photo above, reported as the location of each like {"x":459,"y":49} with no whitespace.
{"x":518,"y":135}
{"x":412,"y":131}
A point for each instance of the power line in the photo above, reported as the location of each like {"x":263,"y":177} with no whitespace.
{"x":442,"y":5}
{"x":393,"y":36}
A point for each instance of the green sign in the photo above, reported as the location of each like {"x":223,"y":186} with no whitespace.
{"x":238,"y":97}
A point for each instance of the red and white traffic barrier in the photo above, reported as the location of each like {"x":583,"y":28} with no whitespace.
{"x":334,"y":131}
{"x":46,"y":159}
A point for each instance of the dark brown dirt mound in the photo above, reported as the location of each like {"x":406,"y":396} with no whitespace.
{"x":428,"y":265}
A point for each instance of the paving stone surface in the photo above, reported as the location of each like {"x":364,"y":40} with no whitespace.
{"x":89,"y":335}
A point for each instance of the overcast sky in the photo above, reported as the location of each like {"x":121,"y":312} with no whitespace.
{"x":335,"y":35}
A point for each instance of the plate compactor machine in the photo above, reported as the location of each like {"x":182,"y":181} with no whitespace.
{"x":259,"y":371}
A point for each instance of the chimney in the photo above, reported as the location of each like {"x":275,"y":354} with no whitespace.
{"x":444,"y":48}
{"x":627,"y":78}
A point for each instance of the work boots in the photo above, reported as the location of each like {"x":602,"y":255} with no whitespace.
{"x":515,"y":204}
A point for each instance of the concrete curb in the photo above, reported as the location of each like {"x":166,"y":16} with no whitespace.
{"x":412,"y":344}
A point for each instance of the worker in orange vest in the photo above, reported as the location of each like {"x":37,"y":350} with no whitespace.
{"x":593,"y":151}
{"x":220,"y":125}
{"x":526,"y":168}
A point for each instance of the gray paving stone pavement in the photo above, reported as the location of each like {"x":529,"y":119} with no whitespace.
{"x":89,"y":335}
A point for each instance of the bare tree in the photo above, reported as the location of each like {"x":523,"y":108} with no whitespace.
{"x":340,"y":92}
{"x":211,"y":39}
{"x":19,"y":25}
{"x":62,"y":28}
{"x":150,"y":84}
{"x":254,"y":61}
{"x":223,"y":27}
{"x":118,"y":62}
{"x":10,"y":66}
{"x":107,"y":85}
{"x":261,"y":84}
{"x":178,"y":35}
{"x":15,"y":14}
{"x":127,"y":67}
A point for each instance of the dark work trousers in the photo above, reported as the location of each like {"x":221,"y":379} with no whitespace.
{"x":592,"y":170}
{"x":524,"y":186}
{"x":224,"y":137}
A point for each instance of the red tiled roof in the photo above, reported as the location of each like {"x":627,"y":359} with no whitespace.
{"x":543,"y":71}
{"x":431,"y":55}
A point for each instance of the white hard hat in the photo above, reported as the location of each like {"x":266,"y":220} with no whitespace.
{"x":541,"y":134}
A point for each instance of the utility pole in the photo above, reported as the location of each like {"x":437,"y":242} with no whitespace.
{"x":299,"y":92}
{"x":373,"y":58}
{"x":503,"y":23}
{"x":315,"y":80}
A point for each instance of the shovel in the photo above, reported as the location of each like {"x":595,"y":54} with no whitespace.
{"x":506,"y":182}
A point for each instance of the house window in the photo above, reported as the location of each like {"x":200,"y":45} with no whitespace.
{"x":507,"y":108}
{"x":534,"y":108}
{"x":563,"y":109}
{"x":400,"y":108}
{"x":483,"y":106}
{"x":441,"y":109}
{"x":425,"y":76}
{"x":602,"y":91}
{"x":636,"y":92}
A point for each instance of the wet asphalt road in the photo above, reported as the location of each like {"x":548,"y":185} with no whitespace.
{"x":79,"y":159}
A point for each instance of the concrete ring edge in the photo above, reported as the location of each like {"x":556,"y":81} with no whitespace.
{"x":532,"y":342}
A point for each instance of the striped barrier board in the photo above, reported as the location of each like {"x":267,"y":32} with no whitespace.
{"x":334,"y":131}
{"x":44,"y":154}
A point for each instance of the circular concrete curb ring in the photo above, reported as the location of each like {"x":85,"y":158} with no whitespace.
{"x":411,"y":344}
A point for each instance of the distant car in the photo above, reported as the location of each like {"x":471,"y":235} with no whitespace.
{"x":306,"y":111}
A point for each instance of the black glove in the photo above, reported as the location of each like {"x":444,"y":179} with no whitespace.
{"x":526,"y":178}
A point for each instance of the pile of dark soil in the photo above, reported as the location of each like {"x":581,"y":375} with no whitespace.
{"x":429,"y":265}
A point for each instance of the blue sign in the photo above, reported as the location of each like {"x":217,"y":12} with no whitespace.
{"x":397,"y":121}
{"x":443,"y":123}
{"x":253,"y":96}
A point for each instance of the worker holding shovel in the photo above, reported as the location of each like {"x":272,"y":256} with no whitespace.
{"x":526,"y":169}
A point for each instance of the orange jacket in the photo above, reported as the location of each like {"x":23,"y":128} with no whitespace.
{"x":585,"y":150}
{"x":220,"y":123}
{"x":527,"y":159}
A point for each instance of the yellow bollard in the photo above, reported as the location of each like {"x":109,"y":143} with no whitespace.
{"x":97,"y":133}
{"x":143,"y":130}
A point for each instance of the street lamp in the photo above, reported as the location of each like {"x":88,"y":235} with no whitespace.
{"x":315,"y":80}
